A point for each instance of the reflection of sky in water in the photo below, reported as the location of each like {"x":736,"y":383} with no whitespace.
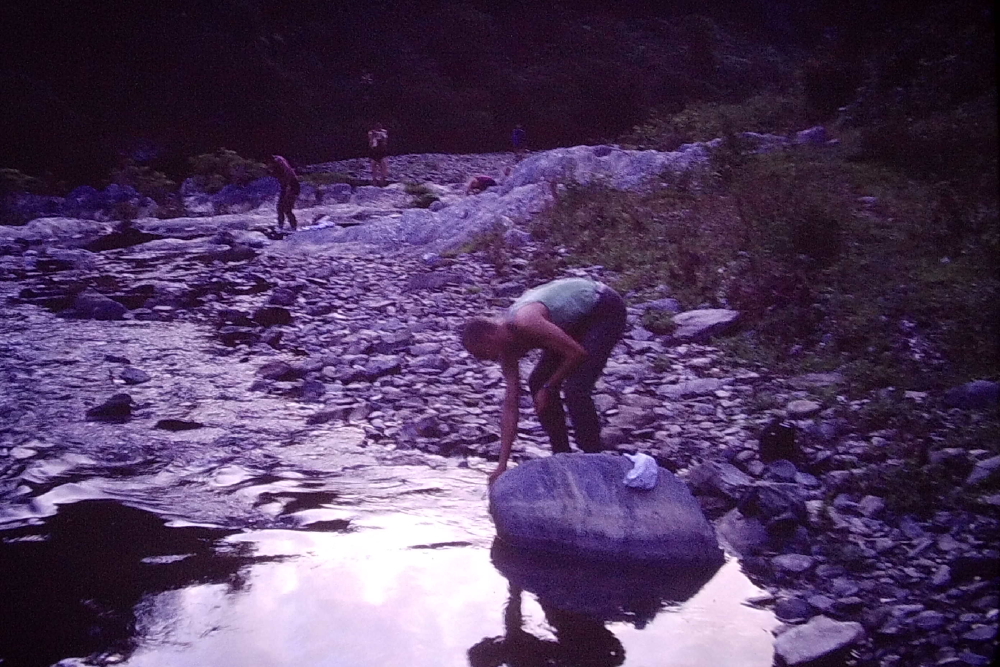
{"x":366,"y":598}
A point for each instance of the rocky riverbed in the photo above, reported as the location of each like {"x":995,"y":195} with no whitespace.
{"x":147,"y":354}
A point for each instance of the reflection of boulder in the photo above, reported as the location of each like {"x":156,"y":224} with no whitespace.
{"x":609,"y":592}
{"x":578,"y":504}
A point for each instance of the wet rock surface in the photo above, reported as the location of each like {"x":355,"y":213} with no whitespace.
{"x":276,"y":363}
{"x":578,"y":504}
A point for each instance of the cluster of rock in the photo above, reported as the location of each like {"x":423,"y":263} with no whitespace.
{"x":368,"y":337}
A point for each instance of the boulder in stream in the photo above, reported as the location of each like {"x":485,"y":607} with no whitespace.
{"x":578,"y":504}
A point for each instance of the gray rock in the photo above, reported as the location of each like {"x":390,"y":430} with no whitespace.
{"x":793,"y":610}
{"x":133,"y":375}
{"x":929,"y":620}
{"x":818,"y":639}
{"x":975,"y":395}
{"x":90,"y":305}
{"x":269,"y":316}
{"x":800,"y":409}
{"x":578,"y":504}
{"x":282,"y":296}
{"x":814,"y":136}
{"x":781,"y":470}
{"x":691,"y":388}
{"x":983,"y":470}
{"x":792,"y":563}
{"x":117,"y":409}
{"x":700,"y":325}
{"x":718,"y":478}
{"x":745,"y":535}
{"x":814,"y":380}
{"x":871,"y":506}
{"x":662,"y":305}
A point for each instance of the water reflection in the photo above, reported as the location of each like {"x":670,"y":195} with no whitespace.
{"x":580,"y":641}
{"x":578,"y":598}
{"x":72,"y":584}
{"x":415,"y":579}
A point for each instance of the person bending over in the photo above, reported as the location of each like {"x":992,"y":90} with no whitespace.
{"x":576,"y":322}
{"x":288,"y":181}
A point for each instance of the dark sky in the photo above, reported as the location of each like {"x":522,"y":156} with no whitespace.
{"x":84,"y":83}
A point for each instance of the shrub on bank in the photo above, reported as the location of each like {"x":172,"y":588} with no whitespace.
{"x":214,"y":171}
{"x":146,"y":181}
{"x":836,"y":264}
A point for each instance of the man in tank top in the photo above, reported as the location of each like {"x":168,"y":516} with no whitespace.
{"x":576,"y":322}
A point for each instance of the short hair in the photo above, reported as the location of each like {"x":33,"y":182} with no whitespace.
{"x":476,"y":331}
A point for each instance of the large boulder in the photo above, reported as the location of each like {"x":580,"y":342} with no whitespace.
{"x":700,"y":325}
{"x":578,"y":504}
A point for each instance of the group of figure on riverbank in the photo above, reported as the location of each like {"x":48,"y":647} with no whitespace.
{"x":576,"y":323}
{"x":378,"y":154}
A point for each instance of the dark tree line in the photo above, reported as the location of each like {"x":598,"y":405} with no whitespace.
{"x":85,"y":84}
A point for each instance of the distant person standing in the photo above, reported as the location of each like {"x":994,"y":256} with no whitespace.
{"x":288,"y":181}
{"x":519,"y":139}
{"x":378,"y":151}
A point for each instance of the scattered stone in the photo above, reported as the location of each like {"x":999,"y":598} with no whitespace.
{"x":117,"y":409}
{"x":800,"y":409}
{"x":90,"y":305}
{"x":983,"y":471}
{"x":132,"y":375}
{"x":701,"y":325}
{"x":178,"y":425}
{"x":270,"y":316}
{"x":793,"y":610}
{"x":820,"y":638}
{"x":975,"y":395}
{"x":792,"y":563}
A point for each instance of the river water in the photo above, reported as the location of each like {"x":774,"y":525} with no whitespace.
{"x":256,"y":539}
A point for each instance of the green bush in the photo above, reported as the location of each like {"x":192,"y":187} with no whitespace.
{"x":145,"y":180}
{"x":835,"y":264}
{"x":215,"y":171}
{"x":423,"y":196}
{"x":658,"y":322}
{"x":14,"y":180}
{"x":704,"y":121}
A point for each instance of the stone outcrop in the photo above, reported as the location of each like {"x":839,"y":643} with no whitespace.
{"x":578,"y":504}
{"x":819,"y":639}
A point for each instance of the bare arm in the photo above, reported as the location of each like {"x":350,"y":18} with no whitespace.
{"x":509,"y":411}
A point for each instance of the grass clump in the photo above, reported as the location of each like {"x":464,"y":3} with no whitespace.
{"x":214,"y":171}
{"x":777,"y":113}
{"x":15,"y":180}
{"x":423,"y":195}
{"x":836,"y":264}
{"x":146,"y":181}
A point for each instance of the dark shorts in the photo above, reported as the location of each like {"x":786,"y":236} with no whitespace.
{"x":378,"y":154}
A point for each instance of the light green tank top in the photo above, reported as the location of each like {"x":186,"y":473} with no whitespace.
{"x":568,"y":299}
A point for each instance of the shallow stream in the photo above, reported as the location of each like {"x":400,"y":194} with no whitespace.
{"x":257,"y":539}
